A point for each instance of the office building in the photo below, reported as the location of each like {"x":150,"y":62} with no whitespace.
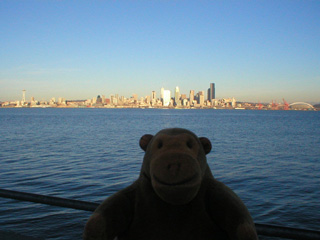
{"x":153,"y":95}
{"x":166,"y":98}
{"x":161,"y":93}
{"x":177,"y":96}
{"x":135,"y":97}
{"x":211,"y":92}
{"x":191,"y":97}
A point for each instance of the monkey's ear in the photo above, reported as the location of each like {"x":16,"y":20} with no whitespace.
{"x":144,"y":141}
{"x":206,"y":144}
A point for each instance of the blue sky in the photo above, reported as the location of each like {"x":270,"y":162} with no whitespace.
{"x":252,"y":50}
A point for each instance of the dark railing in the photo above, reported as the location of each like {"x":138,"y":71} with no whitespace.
{"x":262,"y":229}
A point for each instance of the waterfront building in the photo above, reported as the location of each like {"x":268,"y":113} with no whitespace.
{"x":227,"y":103}
{"x":233,"y":102}
{"x":33,"y":102}
{"x":52,"y":101}
{"x":61,"y":101}
{"x":88,"y":102}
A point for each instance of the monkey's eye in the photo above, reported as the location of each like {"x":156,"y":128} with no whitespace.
{"x":189,"y":144}
{"x":160,"y":144}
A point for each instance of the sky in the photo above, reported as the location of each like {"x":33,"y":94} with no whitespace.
{"x":255,"y":51}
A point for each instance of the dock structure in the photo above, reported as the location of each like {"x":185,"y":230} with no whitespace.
{"x":262,"y":229}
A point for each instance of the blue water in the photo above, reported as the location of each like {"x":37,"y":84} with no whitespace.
{"x":271,"y":159}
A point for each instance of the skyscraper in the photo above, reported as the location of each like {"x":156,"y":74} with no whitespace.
{"x":166,"y":97}
{"x":200,"y":97}
{"x":177,"y":96}
{"x":191,"y":97}
{"x":211,"y":92}
{"x":153,"y":95}
{"x":161,"y":93}
{"x":23,"y":96}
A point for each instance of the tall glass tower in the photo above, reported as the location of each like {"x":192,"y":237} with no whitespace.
{"x":211,"y":92}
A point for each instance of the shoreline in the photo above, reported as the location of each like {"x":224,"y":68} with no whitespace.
{"x":164,"y":108}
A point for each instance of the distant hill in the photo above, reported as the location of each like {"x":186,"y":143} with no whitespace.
{"x":317,"y":106}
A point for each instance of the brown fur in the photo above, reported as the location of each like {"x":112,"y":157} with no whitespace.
{"x":175,"y":197}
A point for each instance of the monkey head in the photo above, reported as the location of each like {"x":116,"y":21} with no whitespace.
{"x":175,"y":163}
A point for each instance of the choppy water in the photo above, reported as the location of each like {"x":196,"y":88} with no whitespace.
{"x":271,"y":159}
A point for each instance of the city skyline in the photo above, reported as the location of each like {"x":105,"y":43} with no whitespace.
{"x":254,"y":51}
{"x":166,"y":95}
{"x":165,"y":100}
{"x":163,"y":93}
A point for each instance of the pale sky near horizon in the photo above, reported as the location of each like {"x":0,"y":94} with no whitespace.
{"x":252,"y":50}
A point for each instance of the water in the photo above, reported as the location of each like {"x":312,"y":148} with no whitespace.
{"x":269,"y":158}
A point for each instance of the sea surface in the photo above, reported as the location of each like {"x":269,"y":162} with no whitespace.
{"x":271,"y":159}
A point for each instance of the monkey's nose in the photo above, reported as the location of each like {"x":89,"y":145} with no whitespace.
{"x":174,"y":168}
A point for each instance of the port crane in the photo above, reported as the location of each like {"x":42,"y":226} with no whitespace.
{"x":285,"y":104}
{"x":274,"y":105}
